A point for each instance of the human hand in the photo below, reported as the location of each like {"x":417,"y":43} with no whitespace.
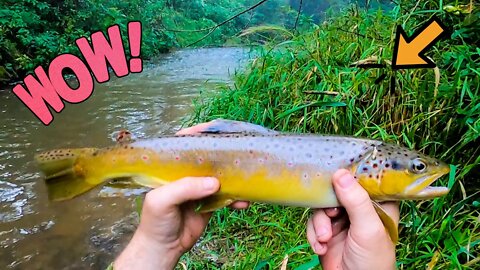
{"x":356,"y":239}
{"x":169,"y":224}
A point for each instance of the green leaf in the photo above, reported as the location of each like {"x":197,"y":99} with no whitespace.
{"x":451,"y":176}
{"x":309,"y":265}
{"x":313,"y":104}
{"x":263,"y":263}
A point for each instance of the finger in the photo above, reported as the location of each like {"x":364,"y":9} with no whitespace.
{"x":322,"y":226}
{"x":206,"y":217}
{"x":318,"y":248}
{"x":393,"y":210}
{"x":240,"y":205}
{"x":333,"y":212}
{"x":364,"y":220}
{"x":188,"y":209}
{"x":311,"y":238}
{"x":183,"y":190}
{"x":193,"y":129}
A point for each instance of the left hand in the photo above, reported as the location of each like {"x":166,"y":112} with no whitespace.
{"x":355,"y":239}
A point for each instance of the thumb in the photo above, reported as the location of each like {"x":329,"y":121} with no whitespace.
{"x":185,"y":189}
{"x":363,"y":218}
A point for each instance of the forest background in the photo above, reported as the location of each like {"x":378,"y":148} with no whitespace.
{"x":33,"y":32}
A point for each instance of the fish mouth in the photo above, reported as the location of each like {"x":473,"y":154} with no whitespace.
{"x":422,"y":189}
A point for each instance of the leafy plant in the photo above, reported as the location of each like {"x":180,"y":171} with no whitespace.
{"x":306,"y":83}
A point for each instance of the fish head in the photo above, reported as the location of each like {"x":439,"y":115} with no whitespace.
{"x":392,"y":172}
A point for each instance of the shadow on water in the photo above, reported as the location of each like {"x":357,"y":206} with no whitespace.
{"x":89,"y":231}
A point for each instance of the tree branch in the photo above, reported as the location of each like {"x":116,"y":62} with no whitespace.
{"x":220,"y":24}
{"x":298,"y":14}
{"x":213,"y":28}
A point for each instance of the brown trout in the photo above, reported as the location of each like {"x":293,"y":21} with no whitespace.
{"x":252,"y":163}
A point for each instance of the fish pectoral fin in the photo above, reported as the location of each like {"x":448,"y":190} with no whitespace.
{"x":223,"y":126}
{"x":390,"y":225}
{"x":123,"y":182}
{"x":148,"y":181}
{"x":213,"y":203}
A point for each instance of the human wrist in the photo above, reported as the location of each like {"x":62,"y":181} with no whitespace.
{"x":145,"y":253}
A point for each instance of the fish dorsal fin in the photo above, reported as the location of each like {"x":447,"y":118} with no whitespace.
{"x":223,"y":126}
{"x":387,"y":221}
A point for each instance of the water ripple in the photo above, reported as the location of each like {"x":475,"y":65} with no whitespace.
{"x":10,"y":194}
{"x":85,"y":233}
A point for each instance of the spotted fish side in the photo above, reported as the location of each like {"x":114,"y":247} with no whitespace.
{"x":296,"y":170}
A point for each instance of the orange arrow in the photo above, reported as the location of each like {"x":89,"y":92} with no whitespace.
{"x":410,"y":52}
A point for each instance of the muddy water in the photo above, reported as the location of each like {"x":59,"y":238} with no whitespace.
{"x":87,"y":232}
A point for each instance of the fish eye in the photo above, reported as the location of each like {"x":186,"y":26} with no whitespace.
{"x":418,"y":165}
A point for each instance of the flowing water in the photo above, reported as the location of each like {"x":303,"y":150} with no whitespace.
{"x":89,"y":231}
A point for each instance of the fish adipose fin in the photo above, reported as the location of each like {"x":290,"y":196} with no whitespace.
{"x":213,"y":203}
{"x":387,"y":221}
{"x":223,"y":126}
{"x":124,"y":137}
{"x":62,"y":181}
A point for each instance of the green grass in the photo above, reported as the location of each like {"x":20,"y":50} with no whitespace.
{"x":305,"y":84}
{"x":234,"y":239}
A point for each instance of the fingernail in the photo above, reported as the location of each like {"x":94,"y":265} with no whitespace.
{"x":345,"y":181}
{"x":317,"y":247}
{"x":209,"y":183}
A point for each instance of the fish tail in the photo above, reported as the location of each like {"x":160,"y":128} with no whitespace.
{"x":62,"y":179}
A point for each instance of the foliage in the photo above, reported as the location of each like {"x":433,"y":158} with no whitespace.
{"x":307,"y":84}
{"x":33,"y":32}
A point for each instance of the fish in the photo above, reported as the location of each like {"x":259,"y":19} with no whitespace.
{"x":252,"y":163}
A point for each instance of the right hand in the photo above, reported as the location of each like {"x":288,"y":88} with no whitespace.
{"x":355,"y":240}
